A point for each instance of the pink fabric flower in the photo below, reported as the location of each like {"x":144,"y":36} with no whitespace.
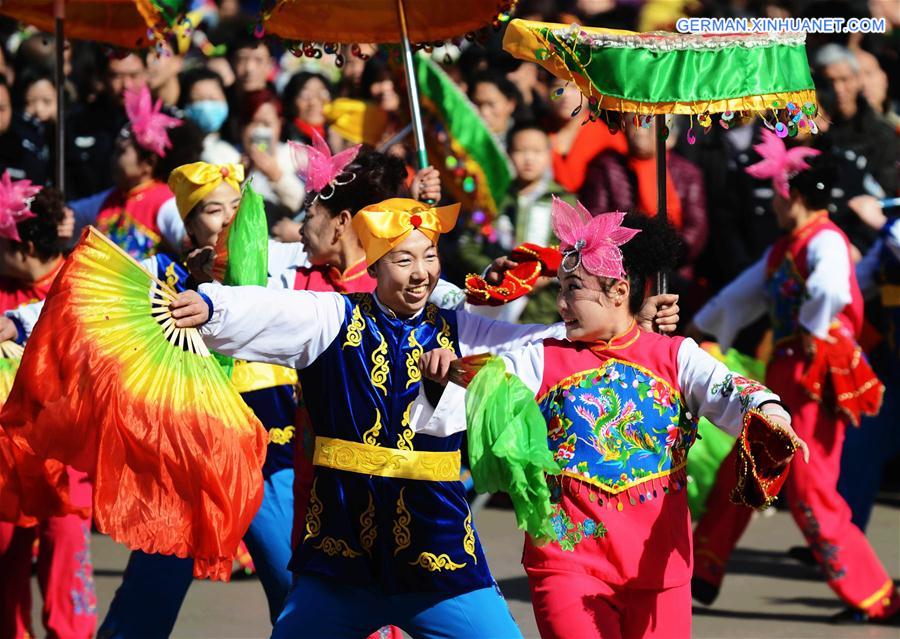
{"x":322,"y":168}
{"x":595,"y":240}
{"x":15,"y":200}
{"x":148,"y":124}
{"x":778,"y":163}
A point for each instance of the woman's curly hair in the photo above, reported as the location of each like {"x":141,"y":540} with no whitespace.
{"x":48,"y":207}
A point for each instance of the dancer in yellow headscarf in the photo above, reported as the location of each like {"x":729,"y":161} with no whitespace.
{"x":387,"y":527}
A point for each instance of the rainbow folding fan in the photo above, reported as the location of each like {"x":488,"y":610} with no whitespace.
{"x":111,"y":387}
{"x":10,"y":354}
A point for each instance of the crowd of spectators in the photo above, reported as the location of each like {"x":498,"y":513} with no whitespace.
{"x":242,"y":98}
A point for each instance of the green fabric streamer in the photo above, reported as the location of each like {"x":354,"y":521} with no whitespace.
{"x":463,"y":124}
{"x":248,"y":251}
{"x":686,"y":75}
{"x":248,"y":243}
{"x":508,"y":446}
{"x":708,"y":453}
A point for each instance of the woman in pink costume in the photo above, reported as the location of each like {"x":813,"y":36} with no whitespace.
{"x":621,"y":406}
{"x":806,"y":282}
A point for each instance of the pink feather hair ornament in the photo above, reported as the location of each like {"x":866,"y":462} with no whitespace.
{"x":778,"y":163}
{"x":15,"y":203}
{"x":149,"y":125}
{"x":323,"y":169}
{"x":590,"y":241}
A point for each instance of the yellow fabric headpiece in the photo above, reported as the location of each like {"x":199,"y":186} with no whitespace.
{"x":356,"y":121}
{"x":192,"y":182}
{"x":382,"y":227}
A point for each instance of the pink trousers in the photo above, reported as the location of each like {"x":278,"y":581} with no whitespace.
{"x":573,"y":604}
{"x":64,"y":571}
{"x":847,"y":560}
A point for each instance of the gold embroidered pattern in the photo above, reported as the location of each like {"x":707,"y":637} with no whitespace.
{"x":404,"y":440}
{"x":282,"y":435}
{"x":357,"y":457}
{"x":314,"y":510}
{"x":469,"y":539}
{"x":371,"y":436}
{"x":431,"y":313}
{"x":413,"y":372}
{"x":171,"y":276}
{"x":355,"y":329}
{"x":435,"y":563}
{"x":331,"y":547}
{"x":401,"y":525}
{"x":380,"y":366}
{"x":369,"y":529}
{"x":444,"y":336}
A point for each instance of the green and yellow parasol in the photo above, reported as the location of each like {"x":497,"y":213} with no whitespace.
{"x":654,"y":74}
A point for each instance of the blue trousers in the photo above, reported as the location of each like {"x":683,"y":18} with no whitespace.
{"x":153,"y":588}
{"x":319,"y":608}
{"x":867,"y":450}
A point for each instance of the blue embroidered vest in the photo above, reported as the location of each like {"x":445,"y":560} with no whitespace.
{"x":401,"y":535}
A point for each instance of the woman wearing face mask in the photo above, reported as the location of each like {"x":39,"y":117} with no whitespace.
{"x":271,"y":162}
{"x":203,"y":101}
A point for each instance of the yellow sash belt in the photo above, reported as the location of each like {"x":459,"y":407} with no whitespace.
{"x":251,"y":376}
{"x":356,"y":457}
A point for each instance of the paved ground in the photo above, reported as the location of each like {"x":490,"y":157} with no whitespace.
{"x":766,"y":594}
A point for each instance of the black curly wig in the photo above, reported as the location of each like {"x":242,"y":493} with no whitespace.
{"x":378,"y":177}
{"x":48,"y":207}
{"x":656,"y":248}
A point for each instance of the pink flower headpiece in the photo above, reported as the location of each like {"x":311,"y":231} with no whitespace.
{"x":779,"y":163}
{"x":148,"y":123}
{"x":15,"y":203}
{"x":590,"y":241}
{"x":323,"y":169}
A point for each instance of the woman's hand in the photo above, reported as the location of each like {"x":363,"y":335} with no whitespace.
{"x":8,"y":330}
{"x":435,"y":365}
{"x":776,"y":416}
{"x":200,"y":263}
{"x":497,"y":269}
{"x":426,"y":185}
{"x":265,"y":163}
{"x":189,"y":310}
{"x":659,"y":314}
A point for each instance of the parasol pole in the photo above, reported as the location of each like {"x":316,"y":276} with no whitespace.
{"x":59,"y":15}
{"x":662,"y":278}
{"x":412,"y":88}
